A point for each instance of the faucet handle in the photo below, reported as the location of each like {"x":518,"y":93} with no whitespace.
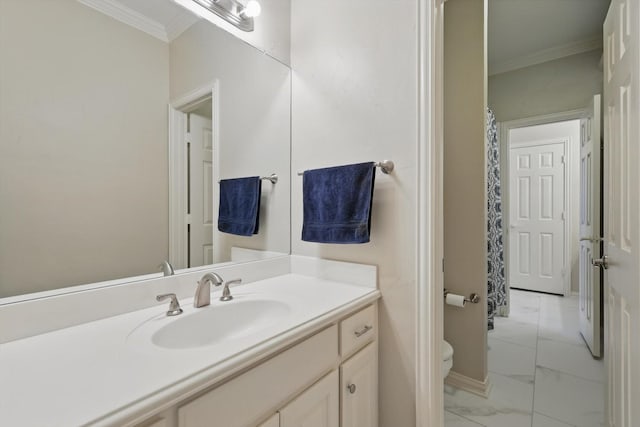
{"x":226,"y":293}
{"x":174,"y":305}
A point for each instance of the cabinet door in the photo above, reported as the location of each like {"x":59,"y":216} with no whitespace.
{"x":359,"y":389}
{"x":316,"y":407}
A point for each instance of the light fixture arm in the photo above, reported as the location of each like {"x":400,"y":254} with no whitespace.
{"x":232,"y":11}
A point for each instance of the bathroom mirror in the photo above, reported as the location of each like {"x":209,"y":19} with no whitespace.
{"x":97,"y":178}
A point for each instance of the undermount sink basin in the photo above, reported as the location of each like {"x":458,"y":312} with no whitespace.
{"x":214,"y":323}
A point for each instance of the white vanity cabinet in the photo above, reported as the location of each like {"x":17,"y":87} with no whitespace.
{"x":318,"y":406}
{"x":328,"y":379}
{"x":359,"y":369}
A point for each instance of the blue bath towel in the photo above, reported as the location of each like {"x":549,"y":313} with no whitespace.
{"x":239,"y":211}
{"x":337,"y":203}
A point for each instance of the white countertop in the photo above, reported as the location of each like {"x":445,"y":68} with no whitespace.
{"x":104,"y":373}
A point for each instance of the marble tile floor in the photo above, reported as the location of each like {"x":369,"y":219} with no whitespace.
{"x":542,"y":372}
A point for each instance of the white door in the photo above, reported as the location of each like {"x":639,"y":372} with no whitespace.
{"x":590,"y":231}
{"x":200,"y":191}
{"x":536,"y":210}
{"x":359,"y":389}
{"x":622,"y":205}
{"x":318,"y":406}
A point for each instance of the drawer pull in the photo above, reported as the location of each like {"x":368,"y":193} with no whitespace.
{"x":363,"y":331}
{"x":351,"y":388}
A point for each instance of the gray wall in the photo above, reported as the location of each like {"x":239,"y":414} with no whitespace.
{"x":354,"y":87}
{"x":83,"y":143}
{"x":562,"y":85}
{"x":465,"y":207}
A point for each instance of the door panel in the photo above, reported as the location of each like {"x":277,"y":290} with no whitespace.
{"x":537,"y":238}
{"x":590,"y":228}
{"x":622,"y":205}
{"x":201,"y":191}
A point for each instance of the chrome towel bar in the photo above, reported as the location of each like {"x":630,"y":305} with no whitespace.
{"x":386,"y":166}
{"x":273,"y":178}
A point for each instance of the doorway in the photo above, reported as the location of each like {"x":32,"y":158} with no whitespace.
{"x":542,"y":201}
{"x":200,"y":185}
{"x":192,"y":193}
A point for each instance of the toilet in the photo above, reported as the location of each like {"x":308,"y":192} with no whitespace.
{"x":447,"y":358}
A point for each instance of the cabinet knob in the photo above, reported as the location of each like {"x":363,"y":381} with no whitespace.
{"x":351,"y":388}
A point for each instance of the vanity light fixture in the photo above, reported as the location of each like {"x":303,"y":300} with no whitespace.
{"x":233,"y":11}
{"x":252,"y":9}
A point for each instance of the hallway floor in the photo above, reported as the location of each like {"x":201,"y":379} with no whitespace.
{"x":542,"y":372}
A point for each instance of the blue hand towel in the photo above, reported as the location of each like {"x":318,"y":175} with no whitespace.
{"x":239,"y":211}
{"x":337,"y":203}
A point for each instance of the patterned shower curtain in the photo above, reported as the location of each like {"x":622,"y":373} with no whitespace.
{"x":496,"y":284}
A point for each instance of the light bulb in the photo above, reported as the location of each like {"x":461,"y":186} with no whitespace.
{"x":252,"y":9}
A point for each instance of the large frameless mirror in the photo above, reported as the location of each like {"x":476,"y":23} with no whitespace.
{"x":114,"y":134}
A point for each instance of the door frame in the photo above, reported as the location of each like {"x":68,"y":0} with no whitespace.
{"x":177,"y":162}
{"x":429,"y":308}
{"x":503,"y":130}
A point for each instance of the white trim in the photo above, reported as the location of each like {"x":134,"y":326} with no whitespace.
{"x":129,"y":16}
{"x":524,"y":144}
{"x":177,"y":161}
{"x":190,"y":99}
{"x":179,"y":24}
{"x":546,"y":55}
{"x":561,"y":116}
{"x":178,"y":167}
{"x":463,"y":382}
{"x":504,"y":129}
{"x":429,"y":251}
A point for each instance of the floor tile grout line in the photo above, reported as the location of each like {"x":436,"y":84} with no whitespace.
{"x":466,"y":419}
{"x":553,"y":418}
{"x":535,"y":363}
{"x":515,"y":343}
{"x":570,"y":375}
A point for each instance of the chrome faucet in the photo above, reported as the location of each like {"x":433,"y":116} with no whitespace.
{"x":203,"y":292}
{"x":166,"y":268}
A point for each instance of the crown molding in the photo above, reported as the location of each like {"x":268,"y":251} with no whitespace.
{"x":179,"y":25}
{"x":130,"y":17}
{"x":546,"y":55}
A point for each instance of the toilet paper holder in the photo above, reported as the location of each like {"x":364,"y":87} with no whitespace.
{"x":473,"y":298}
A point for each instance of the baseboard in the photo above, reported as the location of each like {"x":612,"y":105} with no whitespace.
{"x":462,"y":382}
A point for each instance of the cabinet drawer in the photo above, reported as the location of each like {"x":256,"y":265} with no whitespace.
{"x":357,"y":330}
{"x":242,"y":401}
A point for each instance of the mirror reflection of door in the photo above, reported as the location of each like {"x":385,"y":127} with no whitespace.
{"x":200,"y":187}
